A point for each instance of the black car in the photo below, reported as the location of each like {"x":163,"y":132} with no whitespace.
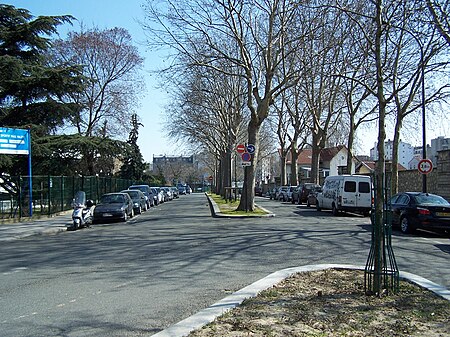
{"x":114,"y":206}
{"x":301,"y":192}
{"x":413,"y":210}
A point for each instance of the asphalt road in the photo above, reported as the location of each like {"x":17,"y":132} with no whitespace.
{"x":139,"y":277}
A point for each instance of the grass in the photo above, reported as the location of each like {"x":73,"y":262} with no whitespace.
{"x":230,"y":207}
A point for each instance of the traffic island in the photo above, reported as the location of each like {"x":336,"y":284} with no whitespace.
{"x":221,"y":207}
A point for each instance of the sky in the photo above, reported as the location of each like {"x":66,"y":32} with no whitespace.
{"x":153,"y":140}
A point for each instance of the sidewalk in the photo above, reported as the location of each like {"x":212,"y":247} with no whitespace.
{"x":29,"y":227}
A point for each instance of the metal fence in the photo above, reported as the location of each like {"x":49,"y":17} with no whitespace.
{"x":51,"y":194}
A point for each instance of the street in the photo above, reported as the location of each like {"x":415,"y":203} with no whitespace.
{"x":139,"y":277}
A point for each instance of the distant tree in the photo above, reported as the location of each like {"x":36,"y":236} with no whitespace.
{"x":112,"y":66}
{"x":133,"y":163}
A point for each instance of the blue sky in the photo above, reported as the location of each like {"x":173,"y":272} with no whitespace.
{"x":125,"y":14}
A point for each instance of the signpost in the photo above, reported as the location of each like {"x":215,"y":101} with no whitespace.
{"x":425,"y":166}
{"x":18,"y":141}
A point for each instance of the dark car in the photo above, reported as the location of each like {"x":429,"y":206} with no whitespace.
{"x":273,"y":193}
{"x":311,"y":199}
{"x":113,"y":206}
{"x":301,"y":192}
{"x":140,"y":202}
{"x":258,"y":191}
{"x":413,"y":210}
{"x":175,"y":192}
{"x":147,"y":192}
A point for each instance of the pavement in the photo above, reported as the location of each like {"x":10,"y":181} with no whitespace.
{"x":57,"y":224}
{"x":31,"y":227}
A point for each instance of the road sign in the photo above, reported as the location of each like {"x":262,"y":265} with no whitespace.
{"x":246,"y":156}
{"x":240,"y":148}
{"x":425,"y":166}
{"x":210,"y":178}
{"x":251,"y":148}
{"x":14,"y":141}
{"x":246,"y":163}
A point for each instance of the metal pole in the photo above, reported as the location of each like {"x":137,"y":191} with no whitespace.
{"x":424,"y":138}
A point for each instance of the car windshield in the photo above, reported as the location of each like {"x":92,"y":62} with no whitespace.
{"x":133,"y":194}
{"x":424,"y":199}
{"x":140,"y":188}
{"x":112,"y":199}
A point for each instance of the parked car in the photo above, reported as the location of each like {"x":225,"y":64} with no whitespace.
{"x":181,"y":189}
{"x":258,"y":191}
{"x":312,"y":196}
{"x":147,"y":192}
{"x":158,"y":195}
{"x":188,"y":189}
{"x":348,"y":193}
{"x":167,"y":193}
{"x":273,"y":193}
{"x":413,"y":210}
{"x":140,"y":202}
{"x":301,"y":192}
{"x":175,"y":192}
{"x":113,"y":206}
{"x":285,"y":193}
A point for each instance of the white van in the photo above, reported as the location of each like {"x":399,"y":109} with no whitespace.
{"x":351,"y":193}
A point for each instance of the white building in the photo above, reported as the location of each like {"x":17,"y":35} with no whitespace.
{"x":405,"y":152}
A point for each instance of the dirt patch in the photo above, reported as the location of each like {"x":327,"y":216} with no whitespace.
{"x":333,"y":303}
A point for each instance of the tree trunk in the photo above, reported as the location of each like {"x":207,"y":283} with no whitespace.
{"x":248,"y":190}
{"x":294,"y":170}
{"x":394,"y":169}
{"x":283,"y":168}
{"x":351,"y":137}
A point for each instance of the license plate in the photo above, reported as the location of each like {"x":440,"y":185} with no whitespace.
{"x":107,"y":214}
{"x":443,"y":214}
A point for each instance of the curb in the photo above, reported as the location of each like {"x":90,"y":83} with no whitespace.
{"x":205,"y":316}
{"x":216,"y":213}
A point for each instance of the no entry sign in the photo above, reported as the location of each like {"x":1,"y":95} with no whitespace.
{"x":240,"y":148}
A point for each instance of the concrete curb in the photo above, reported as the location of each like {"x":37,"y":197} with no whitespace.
{"x":216,"y":213}
{"x":205,"y":316}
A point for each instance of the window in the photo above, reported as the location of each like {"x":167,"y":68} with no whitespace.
{"x":402,"y":199}
{"x":364,"y":187}
{"x":350,"y":186}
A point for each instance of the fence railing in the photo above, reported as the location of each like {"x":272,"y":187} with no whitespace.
{"x":51,"y":194}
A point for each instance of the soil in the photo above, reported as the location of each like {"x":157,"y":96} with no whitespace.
{"x":334,"y":303}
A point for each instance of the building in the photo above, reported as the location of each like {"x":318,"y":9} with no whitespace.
{"x":437,"y":144}
{"x":333,"y":161}
{"x":405,"y":152}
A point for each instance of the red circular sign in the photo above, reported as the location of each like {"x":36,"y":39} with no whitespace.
{"x":240,"y":148}
{"x":246,"y":156}
{"x":425,"y":166}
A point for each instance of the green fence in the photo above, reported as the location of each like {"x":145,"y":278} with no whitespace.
{"x":51,"y":194}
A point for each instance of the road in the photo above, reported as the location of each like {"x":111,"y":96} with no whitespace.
{"x":139,"y":277}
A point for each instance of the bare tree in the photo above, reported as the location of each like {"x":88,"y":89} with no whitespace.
{"x":440,"y":11}
{"x":259,"y":31}
{"x":111,"y":66}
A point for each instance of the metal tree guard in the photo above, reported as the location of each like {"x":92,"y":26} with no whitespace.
{"x":386,"y":272}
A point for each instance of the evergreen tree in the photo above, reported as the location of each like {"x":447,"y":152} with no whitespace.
{"x":32,"y":91}
{"x":133,"y":165}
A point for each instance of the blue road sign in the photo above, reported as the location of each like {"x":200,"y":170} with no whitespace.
{"x":14,"y":141}
{"x":251,"y":148}
{"x":246,"y":156}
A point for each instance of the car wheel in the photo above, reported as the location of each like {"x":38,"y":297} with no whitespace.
{"x":125,"y":216}
{"x":334,"y":210}
{"x":405,"y":226}
{"x":139,"y":211}
{"x":132,"y":213}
